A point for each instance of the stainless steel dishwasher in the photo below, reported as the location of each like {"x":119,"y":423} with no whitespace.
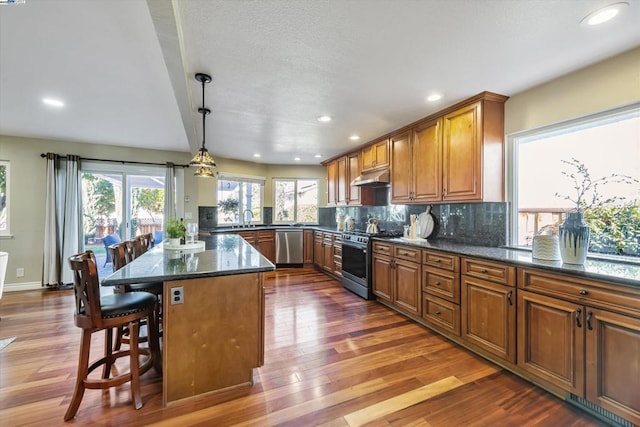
{"x":289,"y":246}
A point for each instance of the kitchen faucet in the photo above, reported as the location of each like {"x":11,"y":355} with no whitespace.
{"x":244,"y":216}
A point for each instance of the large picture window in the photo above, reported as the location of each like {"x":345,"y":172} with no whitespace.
{"x":553,"y":164}
{"x":4,"y":198}
{"x":240,"y":200}
{"x":296,"y":201}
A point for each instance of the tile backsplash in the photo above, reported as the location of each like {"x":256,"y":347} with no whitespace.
{"x":482,"y":224}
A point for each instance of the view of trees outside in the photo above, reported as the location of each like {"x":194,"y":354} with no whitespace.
{"x":296,"y":200}
{"x":3,"y":197}
{"x":546,"y":176}
{"x":236,"y":199}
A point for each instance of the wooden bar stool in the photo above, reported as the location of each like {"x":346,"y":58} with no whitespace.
{"x":121,"y":254}
{"x":94,"y":313}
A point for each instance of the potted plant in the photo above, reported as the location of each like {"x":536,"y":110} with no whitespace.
{"x":574,"y":234}
{"x":175,"y":231}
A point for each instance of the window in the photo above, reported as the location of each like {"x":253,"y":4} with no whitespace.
{"x":4,"y":198}
{"x":296,"y":200}
{"x":240,"y":200}
{"x":552,"y":163}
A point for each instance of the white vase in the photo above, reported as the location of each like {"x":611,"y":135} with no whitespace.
{"x":174,"y":242}
{"x":574,"y":239}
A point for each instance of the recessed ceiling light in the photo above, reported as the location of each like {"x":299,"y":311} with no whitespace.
{"x":256,"y":155}
{"x":53,"y":102}
{"x":317,"y":156}
{"x":603,"y":14}
{"x":434,"y":97}
{"x":354,"y":137}
{"x":297,"y":159}
{"x":324,"y":118}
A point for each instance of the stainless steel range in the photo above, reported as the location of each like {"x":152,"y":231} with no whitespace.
{"x":356,"y":261}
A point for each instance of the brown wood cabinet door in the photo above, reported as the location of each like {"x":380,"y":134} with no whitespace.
{"x":318,"y":251}
{"x":332,"y":182}
{"x":382,"y":277}
{"x":308,"y":247}
{"x":613,"y":362}
{"x":267,"y":247}
{"x":462,"y":156}
{"x":328,"y":261}
{"x":367,"y":154}
{"x":489,"y":317}
{"x":427,"y":162}
{"x":407,"y":286}
{"x":401,"y":172}
{"x":342,"y":184}
{"x":353,"y":171}
{"x":551,"y":340}
{"x":381,"y":150}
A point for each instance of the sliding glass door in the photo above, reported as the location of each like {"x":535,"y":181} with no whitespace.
{"x":118,"y":206}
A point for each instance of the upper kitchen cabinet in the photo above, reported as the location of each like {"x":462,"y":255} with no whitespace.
{"x":473,"y":151}
{"x":416,"y":164}
{"x":332,"y":182}
{"x":353,"y":170}
{"x":375,"y":156}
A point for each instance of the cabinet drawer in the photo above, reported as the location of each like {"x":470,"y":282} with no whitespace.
{"x":443,"y":284}
{"x":383,"y":248}
{"x":441,"y":314}
{"x":619,"y":298}
{"x":440,"y":260}
{"x":249,"y":236}
{"x":328,"y":237}
{"x":487,"y":270}
{"x":408,"y":253}
{"x":266,"y":235}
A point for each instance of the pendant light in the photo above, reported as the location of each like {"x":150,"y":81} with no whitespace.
{"x":203,"y":159}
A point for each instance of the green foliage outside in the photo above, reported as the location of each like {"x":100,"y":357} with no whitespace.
{"x":3,"y":180}
{"x":150,"y":200}
{"x":615,"y":229}
{"x":100,"y":201}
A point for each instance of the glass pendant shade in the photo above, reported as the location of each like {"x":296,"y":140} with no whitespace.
{"x":203,"y":158}
{"x":204,"y":172}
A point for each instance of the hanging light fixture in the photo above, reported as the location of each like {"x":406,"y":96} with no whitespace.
{"x":203,"y":159}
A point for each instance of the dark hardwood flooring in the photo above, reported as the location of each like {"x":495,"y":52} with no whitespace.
{"x":331,"y":359}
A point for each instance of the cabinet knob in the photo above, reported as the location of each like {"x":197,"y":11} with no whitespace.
{"x":437,"y":260}
{"x":483,"y":271}
{"x":437,"y":283}
{"x":583,"y":292}
{"x":438,"y":313}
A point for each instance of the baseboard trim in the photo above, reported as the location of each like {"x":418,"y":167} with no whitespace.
{"x":26,"y":286}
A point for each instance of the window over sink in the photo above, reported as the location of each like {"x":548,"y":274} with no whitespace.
{"x":296,"y":200}
{"x":240,"y":199}
{"x":551,"y":163}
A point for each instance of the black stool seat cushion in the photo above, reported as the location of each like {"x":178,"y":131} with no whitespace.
{"x":155,"y":288}
{"x":117,"y":305}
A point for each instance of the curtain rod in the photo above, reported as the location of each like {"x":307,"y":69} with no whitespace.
{"x":119,"y":161}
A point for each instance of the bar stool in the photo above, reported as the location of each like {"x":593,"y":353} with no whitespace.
{"x":94,"y":313}
{"x":121,"y":254}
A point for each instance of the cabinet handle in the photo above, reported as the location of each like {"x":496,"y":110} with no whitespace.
{"x":437,"y":260}
{"x":437,"y":283}
{"x":443,"y":191}
{"x":509,"y":294}
{"x":578,"y":315}
{"x":438,"y":313}
{"x":483,"y":271}
{"x":589,"y":314}
{"x":583,"y":292}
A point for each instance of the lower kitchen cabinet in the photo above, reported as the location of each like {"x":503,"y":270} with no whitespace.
{"x":308,"y":247}
{"x":266,"y":244}
{"x":488,"y":311}
{"x":583,"y":337}
{"x":551,"y":340}
{"x":397,"y":281}
{"x":327,"y":252}
{"x":441,"y":314}
{"x":318,"y":251}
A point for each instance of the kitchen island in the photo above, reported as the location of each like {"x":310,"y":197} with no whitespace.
{"x":213,"y":313}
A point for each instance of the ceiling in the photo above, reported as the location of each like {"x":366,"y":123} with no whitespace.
{"x":125,"y":68}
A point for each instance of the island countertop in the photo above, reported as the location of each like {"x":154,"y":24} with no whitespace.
{"x":224,"y":254}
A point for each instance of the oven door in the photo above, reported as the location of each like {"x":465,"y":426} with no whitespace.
{"x":356,"y":271}
{"x":354,"y":261}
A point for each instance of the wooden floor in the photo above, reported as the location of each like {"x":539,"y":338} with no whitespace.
{"x":331,"y":359}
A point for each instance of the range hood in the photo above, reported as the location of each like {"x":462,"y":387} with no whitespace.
{"x":379,"y":178}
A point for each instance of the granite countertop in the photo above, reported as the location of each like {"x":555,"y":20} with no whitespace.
{"x":224,"y":254}
{"x":214,"y":231}
{"x":611,"y":271}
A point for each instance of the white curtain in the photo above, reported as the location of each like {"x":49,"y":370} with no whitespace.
{"x":63,"y":219}
{"x":51,"y":267}
{"x":169,"y":194}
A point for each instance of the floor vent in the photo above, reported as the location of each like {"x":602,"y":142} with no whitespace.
{"x":604,"y":415}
